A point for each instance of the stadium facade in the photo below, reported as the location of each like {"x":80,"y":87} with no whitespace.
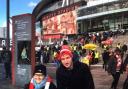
{"x":57,"y":17}
{"x":69,"y":17}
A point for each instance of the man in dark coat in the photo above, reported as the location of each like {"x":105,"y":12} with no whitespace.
{"x":73,"y":75}
{"x":125,"y":62}
{"x":124,"y":48}
{"x":105,"y":56}
{"x":6,"y":57}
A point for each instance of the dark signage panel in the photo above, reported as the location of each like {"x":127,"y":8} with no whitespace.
{"x":23,"y":49}
{"x":23,"y":75}
{"x":22,"y":27}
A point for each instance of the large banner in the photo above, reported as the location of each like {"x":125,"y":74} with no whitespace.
{"x":64,"y":23}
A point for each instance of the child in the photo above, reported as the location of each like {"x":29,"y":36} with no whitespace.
{"x":40,"y":79}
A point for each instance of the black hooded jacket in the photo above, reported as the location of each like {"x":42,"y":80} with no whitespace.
{"x":78,"y":78}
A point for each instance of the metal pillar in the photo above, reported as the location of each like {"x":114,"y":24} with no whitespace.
{"x":8,"y":26}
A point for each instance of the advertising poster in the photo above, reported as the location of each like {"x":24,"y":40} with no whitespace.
{"x":24,"y":52}
{"x":61,"y":24}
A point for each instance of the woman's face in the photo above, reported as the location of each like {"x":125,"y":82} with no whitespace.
{"x":38,"y":77}
{"x":66,"y":61}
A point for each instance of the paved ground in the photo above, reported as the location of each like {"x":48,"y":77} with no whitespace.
{"x":101,"y":79}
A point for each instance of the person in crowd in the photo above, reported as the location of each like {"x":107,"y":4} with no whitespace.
{"x":96,"y":57}
{"x":46,"y":56}
{"x":125,"y":85}
{"x":65,"y":42}
{"x":85,"y":60}
{"x":56,"y":58}
{"x":6,"y":58}
{"x":105,"y":57}
{"x":125,"y":62}
{"x":115,"y":67}
{"x":76,"y":55}
{"x":41,"y":55}
{"x":72,"y":74}
{"x":40,"y":79}
{"x":93,"y":57}
{"x":118,"y":46}
{"x":124,"y":48}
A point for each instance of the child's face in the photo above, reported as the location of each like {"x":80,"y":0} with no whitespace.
{"x":38,"y":77}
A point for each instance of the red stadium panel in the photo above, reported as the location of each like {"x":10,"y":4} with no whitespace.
{"x":64,"y":23}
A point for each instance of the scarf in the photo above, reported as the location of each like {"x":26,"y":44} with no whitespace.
{"x":119,"y":62}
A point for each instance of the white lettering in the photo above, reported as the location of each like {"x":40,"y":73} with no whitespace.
{"x":10,"y":42}
{"x":3,"y":42}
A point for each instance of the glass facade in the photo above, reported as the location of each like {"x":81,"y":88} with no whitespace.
{"x":103,"y":8}
{"x":111,"y":21}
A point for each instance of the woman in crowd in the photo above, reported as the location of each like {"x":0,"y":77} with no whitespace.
{"x":115,"y":67}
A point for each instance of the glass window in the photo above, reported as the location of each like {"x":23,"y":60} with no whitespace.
{"x":117,"y":23}
{"x":100,"y":23}
{"x":117,"y":6}
{"x":105,"y":22}
{"x":111,"y":7}
{"x":59,"y":3}
{"x":89,"y":24}
{"x":71,"y":1}
{"x":124,"y":4}
{"x":99,"y":9}
{"x":94,"y":24}
{"x":105,"y":8}
{"x":93,"y":10}
{"x":118,"y":20}
{"x":112,"y":24}
{"x":125,"y":20}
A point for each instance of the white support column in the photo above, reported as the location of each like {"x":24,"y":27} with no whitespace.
{"x":65,"y":1}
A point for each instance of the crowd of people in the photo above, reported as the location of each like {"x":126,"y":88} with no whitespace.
{"x":115,"y":60}
{"x":73,"y":62}
{"x":69,"y":75}
{"x":72,"y":73}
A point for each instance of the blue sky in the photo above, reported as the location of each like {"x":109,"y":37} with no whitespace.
{"x":16,"y":7}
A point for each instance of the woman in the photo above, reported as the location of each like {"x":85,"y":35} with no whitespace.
{"x":115,"y":67}
{"x":40,"y":79}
